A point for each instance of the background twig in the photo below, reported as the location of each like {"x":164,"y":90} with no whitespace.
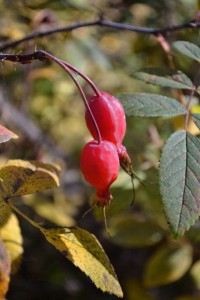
{"x":102,"y":23}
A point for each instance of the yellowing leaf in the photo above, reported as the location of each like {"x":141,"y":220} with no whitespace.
{"x":195,"y":273}
{"x":5,"y":212}
{"x":179,"y":123}
{"x":20,"y":177}
{"x":167,"y":265}
{"x":85,"y":252}
{"x":6,"y":135}
{"x":4,"y":270}
{"x":12,"y":238}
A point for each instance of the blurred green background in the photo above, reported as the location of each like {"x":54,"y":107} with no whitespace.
{"x":51,"y":127}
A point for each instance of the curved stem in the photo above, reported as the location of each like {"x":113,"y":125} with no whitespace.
{"x":43,"y":55}
{"x":87,"y":79}
{"x":64,"y":66}
{"x":35,"y":224}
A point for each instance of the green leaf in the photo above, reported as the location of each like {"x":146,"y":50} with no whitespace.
{"x":85,"y":252}
{"x":188,"y":49}
{"x":20,"y":177}
{"x":6,"y":135}
{"x":179,"y":181}
{"x":196,"y":119}
{"x":150,"y":105}
{"x":167,"y":265}
{"x":134,"y":231}
{"x":165,"y":77}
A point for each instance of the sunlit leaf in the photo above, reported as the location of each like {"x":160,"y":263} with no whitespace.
{"x":20,"y":177}
{"x":85,"y":252}
{"x":12,"y":238}
{"x":179,"y":181}
{"x":134,"y":231}
{"x":4,"y":270}
{"x":150,"y":105}
{"x":164,"y":77}
{"x":6,"y":135}
{"x":188,"y":49}
{"x":167,"y":265}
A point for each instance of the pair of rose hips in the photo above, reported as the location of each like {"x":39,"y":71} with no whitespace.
{"x":100,"y":159}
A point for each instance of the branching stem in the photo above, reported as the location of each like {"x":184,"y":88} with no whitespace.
{"x":43,"y":55}
{"x":101,"y":22}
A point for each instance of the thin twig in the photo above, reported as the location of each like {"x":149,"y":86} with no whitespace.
{"x":101,"y":23}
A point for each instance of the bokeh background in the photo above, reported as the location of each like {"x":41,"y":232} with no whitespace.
{"x":51,"y":128}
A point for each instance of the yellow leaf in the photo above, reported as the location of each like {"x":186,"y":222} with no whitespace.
{"x":195,"y":109}
{"x":195,"y":273}
{"x":178,"y":123}
{"x":4,"y":270}
{"x":12,"y":238}
{"x":167,"y":265}
{"x":5,"y":212}
{"x":20,"y":177}
{"x":85,"y":252}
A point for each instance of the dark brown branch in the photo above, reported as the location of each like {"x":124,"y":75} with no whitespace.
{"x":102,"y":23}
{"x":25,"y":59}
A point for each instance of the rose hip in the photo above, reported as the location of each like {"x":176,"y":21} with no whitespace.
{"x":100,"y":167}
{"x":110,"y":118}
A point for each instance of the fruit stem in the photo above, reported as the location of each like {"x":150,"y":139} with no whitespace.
{"x":66,"y":68}
{"x":105,"y":221}
{"x":85,"y":77}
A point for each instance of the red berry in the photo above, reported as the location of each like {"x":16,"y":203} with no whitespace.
{"x":110,"y":118}
{"x":100,"y":167}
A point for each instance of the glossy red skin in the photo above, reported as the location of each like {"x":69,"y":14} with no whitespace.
{"x":100,"y":167}
{"x":110,"y":117}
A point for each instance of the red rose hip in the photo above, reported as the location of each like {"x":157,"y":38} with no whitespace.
{"x":100,"y":167}
{"x":109,"y":116}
